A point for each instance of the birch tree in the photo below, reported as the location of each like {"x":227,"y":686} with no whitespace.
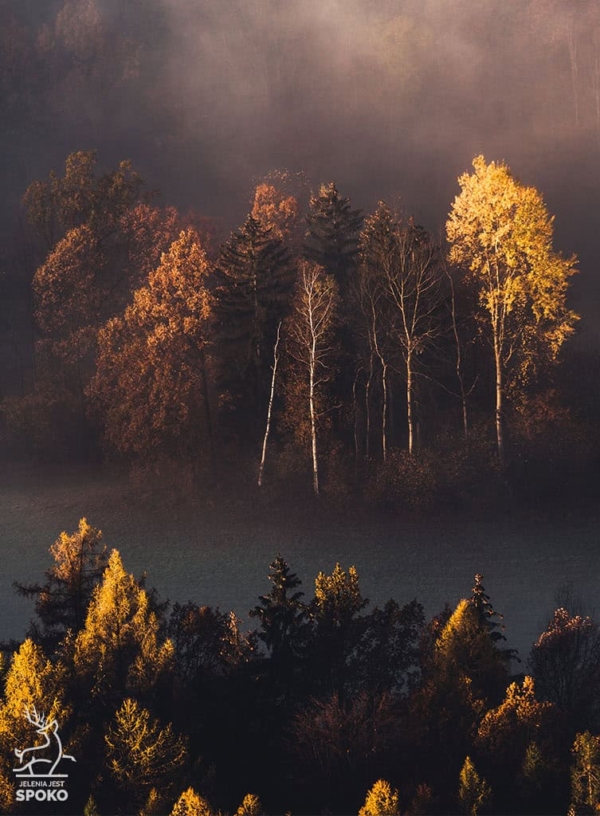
{"x":501,"y":233}
{"x":311,"y":344}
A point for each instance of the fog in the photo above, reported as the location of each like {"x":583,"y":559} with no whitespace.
{"x":387,"y":97}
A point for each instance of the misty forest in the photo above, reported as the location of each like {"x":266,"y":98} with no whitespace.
{"x":315,"y":280}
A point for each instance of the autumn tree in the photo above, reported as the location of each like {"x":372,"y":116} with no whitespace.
{"x":191,"y":803}
{"x":585,"y":772}
{"x":152,"y":385}
{"x":119,"y":649}
{"x":61,"y":602}
{"x":139,"y":753}
{"x":250,"y":806}
{"x":473,"y":792}
{"x":311,"y":345}
{"x":413,"y":283}
{"x":335,"y":613}
{"x":33,"y":684}
{"x":274,"y":208}
{"x":382,"y":800}
{"x":565,"y":662}
{"x":500,"y":231}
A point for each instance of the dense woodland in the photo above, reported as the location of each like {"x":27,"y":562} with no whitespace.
{"x":326,"y":706}
{"x":316,"y":349}
{"x":319,"y":351}
{"x":328,"y":351}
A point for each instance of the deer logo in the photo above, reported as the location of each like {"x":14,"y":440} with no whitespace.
{"x":33,"y":765}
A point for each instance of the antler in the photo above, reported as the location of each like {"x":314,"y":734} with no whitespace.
{"x":38,"y":720}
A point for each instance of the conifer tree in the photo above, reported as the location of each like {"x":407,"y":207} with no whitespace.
{"x":474,"y":792}
{"x":332,"y":233}
{"x":141,"y":754}
{"x":119,"y":649}
{"x":61,"y":602}
{"x":255,"y":281}
{"x":382,"y":800}
{"x":191,"y":803}
{"x":281,"y":613}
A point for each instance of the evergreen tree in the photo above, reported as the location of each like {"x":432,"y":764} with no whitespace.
{"x":332,"y":234}
{"x":255,"y":281}
{"x":282,"y":616}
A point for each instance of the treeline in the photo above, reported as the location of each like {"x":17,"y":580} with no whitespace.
{"x":324,"y":706}
{"x":315,"y":347}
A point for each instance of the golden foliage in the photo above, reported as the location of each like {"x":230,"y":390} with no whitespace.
{"x":250,"y":806}
{"x":274,"y":210}
{"x":382,"y":800}
{"x":119,"y":646}
{"x":140,"y":753}
{"x":191,"y":803}
{"x":150,"y":381}
{"x":474,"y":792}
{"x":502,"y":233}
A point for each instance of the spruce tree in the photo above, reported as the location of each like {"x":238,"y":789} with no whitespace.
{"x":255,"y":281}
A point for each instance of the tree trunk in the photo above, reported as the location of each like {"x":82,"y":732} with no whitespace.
{"x":384,"y":409}
{"x":313,"y":420}
{"x":209,"y":417}
{"x":409,"y":403}
{"x":499,"y":395}
{"x":270,"y":408}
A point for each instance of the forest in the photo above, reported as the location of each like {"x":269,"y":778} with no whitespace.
{"x":326,"y":705}
{"x":350,"y":298}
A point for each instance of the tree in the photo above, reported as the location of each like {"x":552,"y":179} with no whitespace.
{"x":501,"y":232}
{"x":141,"y":754}
{"x":382,"y":800}
{"x":412,"y":279}
{"x":585,"y":771}
{"x":119,"y":648}
{"x":35,"y":685}
{"x":334,"y":611}
{"x":310,"y":344}
{"x":332,"y":233}
{"x":191,"y":803}
{"x":473,"y":792}
{"x":377,"y":251}
{"x":565,"y":662}
{"x":61,"y":603}
{"x":282,"y":617}
{"x":151,"y":388}
{"x":250,"y":806}
{"x":81,"y":198}
{"x":255,"y":281}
